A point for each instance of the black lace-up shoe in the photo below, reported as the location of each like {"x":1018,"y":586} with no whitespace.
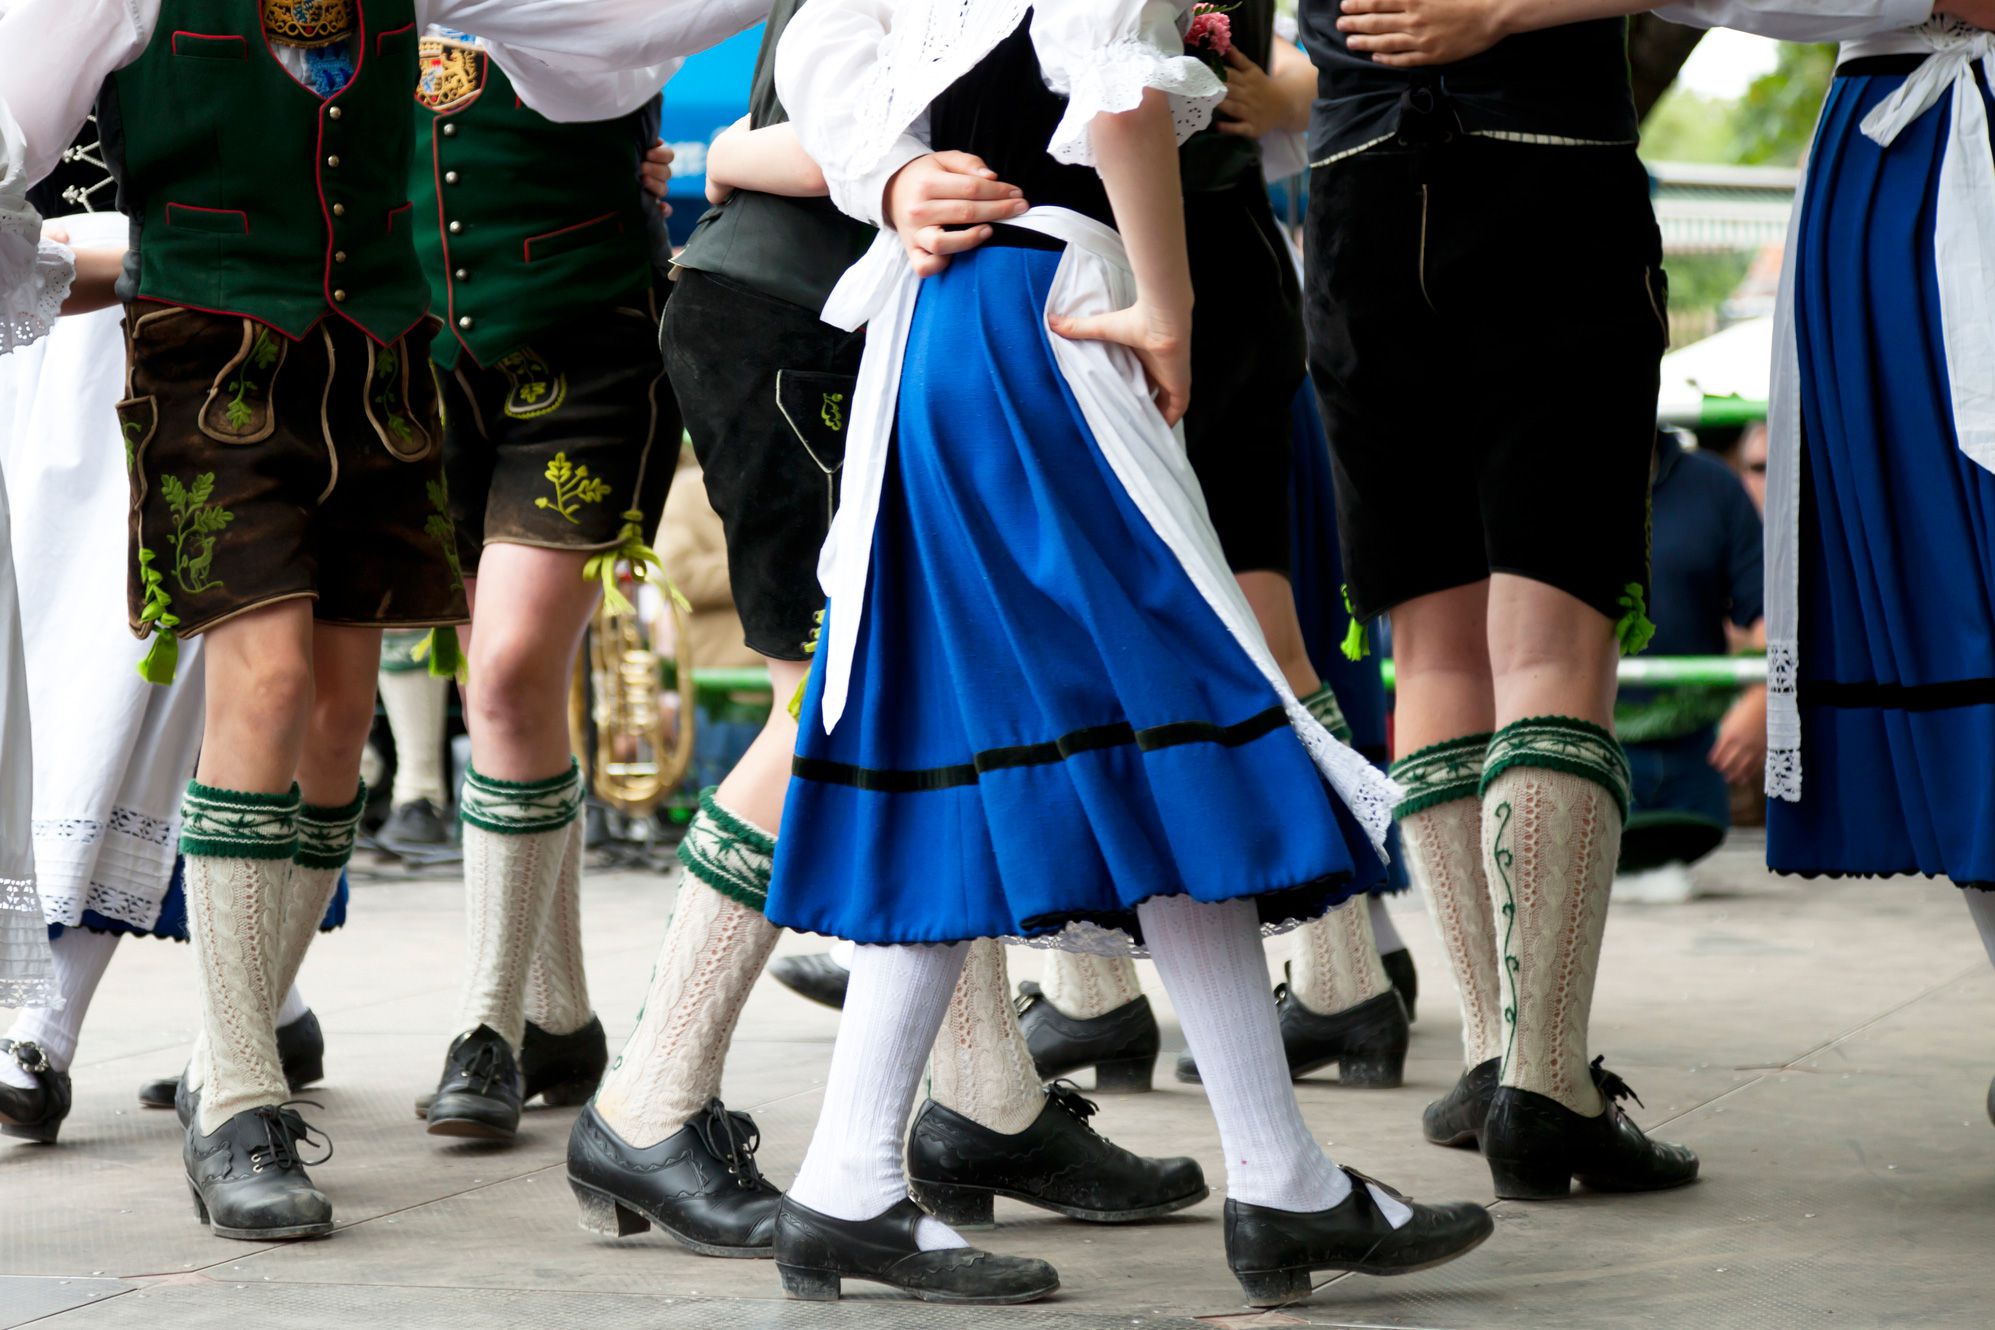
{"x":35,"y":1114}
{"x":249,"y":1182}
{"x":816,"y":976}
{"x":1367,"y":1042}
{"x":1536,"y":1146}
{"x":700,"y":1184}
{"x":481,"y":1092}
{"x":301,"y":1049}
{"x":815,"y":1253}
{"x":956,"y":1167}
{"x":1274,"y":1253}
{"x":563,"y":1069}
{"x":1456,"y":1118}
{"x":1405,"y":979}
{"x":1120,"y":1045}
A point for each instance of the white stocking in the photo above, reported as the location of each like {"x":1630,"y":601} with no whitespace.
{"x":1211,"y":961}
{"x":81,"y":957}
{"x":856,"y":1165}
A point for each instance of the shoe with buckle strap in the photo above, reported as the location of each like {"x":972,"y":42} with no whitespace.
{"x":249,"y":1181}
{"x":36,"y":1114}
{"x":1537,"y":1147}
{"x":481,"y":1092}
{"x":956,"y":1167}
{"x":700,"y":1185}
{"x":1275,"y":1253}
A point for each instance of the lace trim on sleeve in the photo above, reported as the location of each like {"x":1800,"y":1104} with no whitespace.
{"x":1116,"y":82}
{"x":35,"y":277}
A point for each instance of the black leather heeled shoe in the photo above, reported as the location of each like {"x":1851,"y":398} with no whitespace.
{"x":480,"y":1094}
{"x":248,"y":1181}
{"x":1120,"y":1045}
{"x":562,"y":1069}
{"x":34,"y":1114}
{"x":700,"y":1184}
{"x":1537,"y":1147}
{"x":816,"y":1253}
{"x":1275,"y":1253}
{"x":301,"y":1050}
{"x":1367,"y":1042}
{"x":815,"y":976}
{"x":1405,"y":979}
{"x":956,"y":1167}
{"x":1456,"y":1118}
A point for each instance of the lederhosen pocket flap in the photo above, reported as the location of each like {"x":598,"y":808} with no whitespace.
{"x":818,"y":407}
{"x":240,"y":405}
{"x":401,"y":397}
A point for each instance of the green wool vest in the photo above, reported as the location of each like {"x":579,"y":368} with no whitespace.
{"x":528,"y":224}
{"x":249,"y":194}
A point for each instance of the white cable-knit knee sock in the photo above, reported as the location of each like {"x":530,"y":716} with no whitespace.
{"x":1084,"y":986}
{"x":981,"y":1067}
{"x":557,"y":983}
{"x":1210,"y":958}
{"x":1336,"y":965}
{"x":856,"y":1165}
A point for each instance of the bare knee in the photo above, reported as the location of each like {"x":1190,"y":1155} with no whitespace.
{"x":514,"y":679}
{"x":268,"y":690}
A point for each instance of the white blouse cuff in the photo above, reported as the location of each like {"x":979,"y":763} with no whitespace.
{"x":1116,"y":82}
{"x":35,"y":277}
{"x":865,"y":196}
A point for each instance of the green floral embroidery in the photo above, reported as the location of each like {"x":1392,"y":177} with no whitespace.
{"x":1503,"y":857}
{"x":833,"y":411}
{"x":132,"y":431}
{"x":263,"y":354}
{"x":387,"y":367}
{"x":442,"y":530}
{"x":537,"y":388}
{"x":195,"y":524}
{"x":573,"y":487}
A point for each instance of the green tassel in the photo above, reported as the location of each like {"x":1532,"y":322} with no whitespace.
{"x":643,"y":561}
{"x":446,"y":659}
{"x":1634,"y":630}
{"x":1357,"y":639}
{"x":163,"y":661}
{"x":797,"y":701}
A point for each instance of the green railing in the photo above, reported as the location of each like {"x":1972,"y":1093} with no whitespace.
{"x":1681,"y":671}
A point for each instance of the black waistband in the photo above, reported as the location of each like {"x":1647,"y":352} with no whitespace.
{"x":1867,"y":65}
{"x":1018,"y":237}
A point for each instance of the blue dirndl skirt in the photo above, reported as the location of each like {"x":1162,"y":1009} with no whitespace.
{"x":172,"y":921}
{"x":1897,"y":603}
{"x":1316,"y":574}
{"x":1048,"y":724}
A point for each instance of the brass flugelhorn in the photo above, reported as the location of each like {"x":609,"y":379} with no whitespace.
{"x":617,"y":718}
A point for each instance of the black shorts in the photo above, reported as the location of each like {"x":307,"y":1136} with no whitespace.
{"x":766,"y":387}
{"x":1485,"y":321}
{"x":553,"y":444}
{"x":1246,"y":363}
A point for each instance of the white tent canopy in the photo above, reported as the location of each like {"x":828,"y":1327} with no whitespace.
{"x":1723,"y":379}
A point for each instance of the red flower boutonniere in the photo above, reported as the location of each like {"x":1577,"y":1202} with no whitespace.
{"x":1210,"y":35}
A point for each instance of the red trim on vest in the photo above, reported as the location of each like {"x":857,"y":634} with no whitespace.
{"x":393,"y":213}
{"x":195,"y":207}
{"x":549,"y":235}
{"x":242,"y":42}
{"x":319,"y":161}
{"x":392,"y":32}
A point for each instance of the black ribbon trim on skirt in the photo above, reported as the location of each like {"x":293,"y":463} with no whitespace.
{"x":1089,"y":740}
{"x":1898,"y":696}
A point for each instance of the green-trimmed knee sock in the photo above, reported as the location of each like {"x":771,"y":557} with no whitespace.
{"x":515,"y":834}
{"x":238,"y":847}
{"x":1323,"y":705}
{"x":715,"y":948}
{"x":325,"y":844}
{"x":1440,"y":826}
{"x":1554,"y":796}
